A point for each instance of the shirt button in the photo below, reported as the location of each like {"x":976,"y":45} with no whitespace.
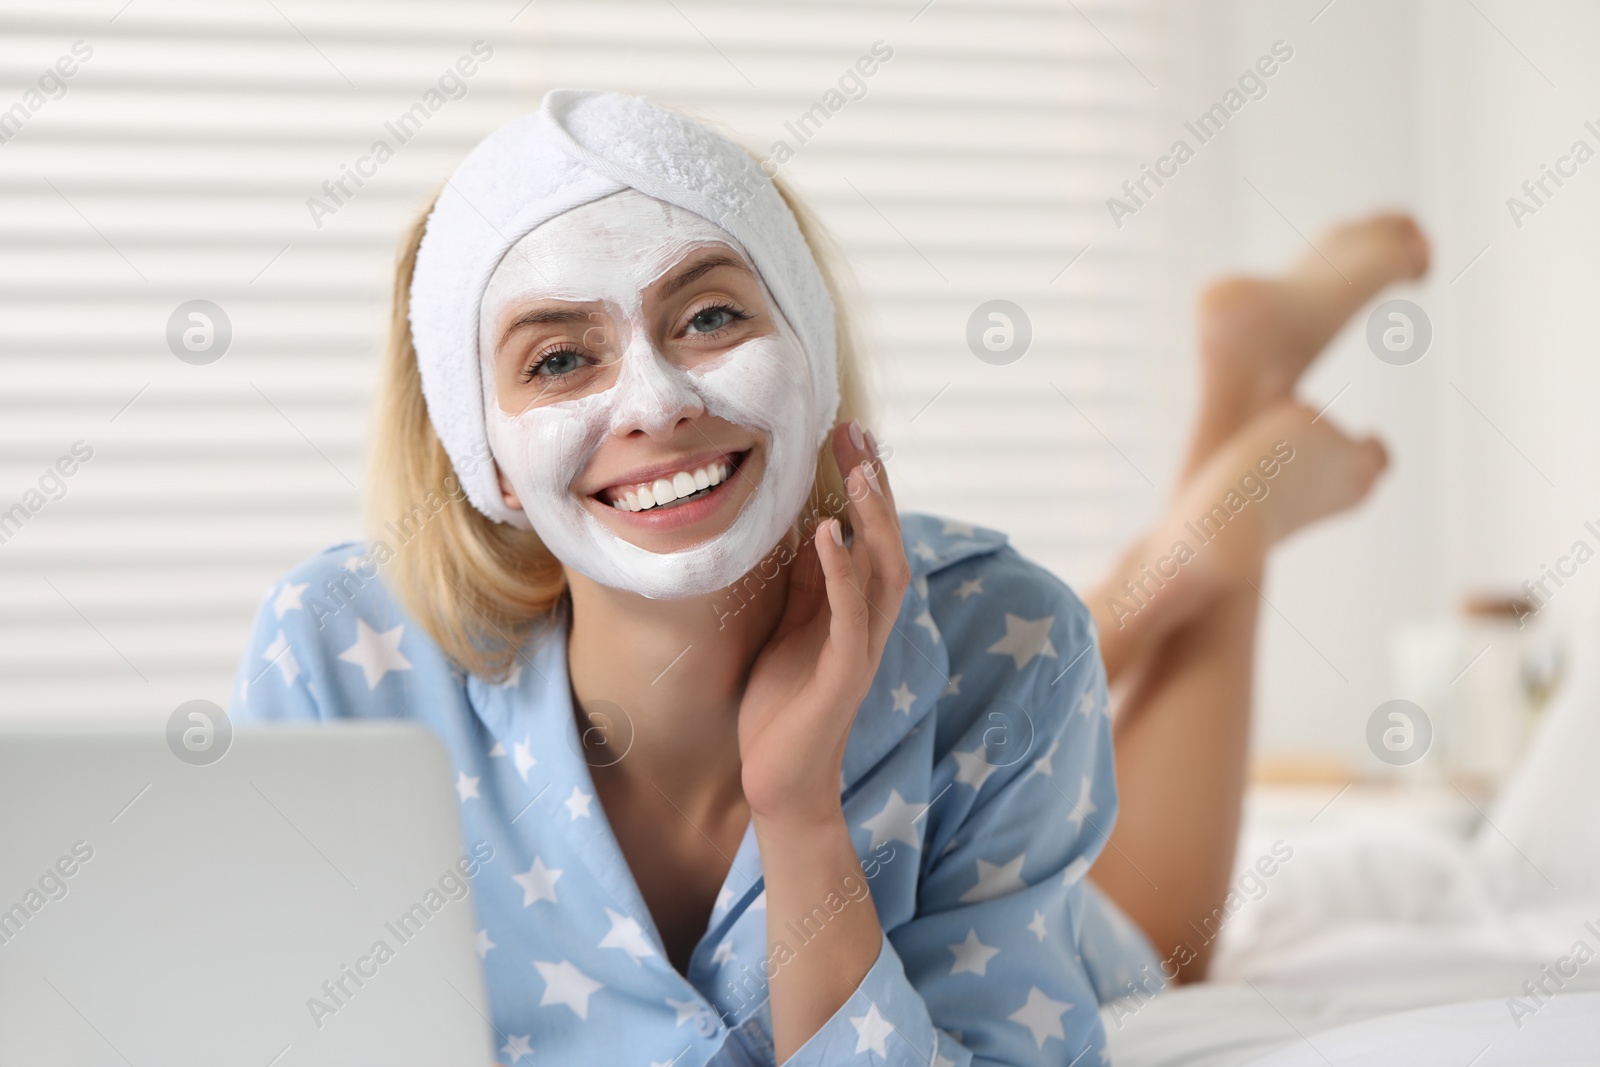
{"x":706,"y":1023}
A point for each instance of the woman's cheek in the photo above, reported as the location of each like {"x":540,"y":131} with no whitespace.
{"x":544,"y":450}
{"x":757,"y":384}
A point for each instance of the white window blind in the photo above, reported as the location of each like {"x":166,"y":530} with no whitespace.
{"x":177,"y":162}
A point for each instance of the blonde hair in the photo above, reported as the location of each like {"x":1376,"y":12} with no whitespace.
{"x":477,"y":586}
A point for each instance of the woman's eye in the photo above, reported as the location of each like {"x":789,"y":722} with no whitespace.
{"x":712,"y":319}
{"x":557,"y":363}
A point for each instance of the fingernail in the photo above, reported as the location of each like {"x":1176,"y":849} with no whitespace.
{"x":837,"y":531}
{"x":871,"y":477}
{"x":872,"y":444}
{"x":855,"y":434}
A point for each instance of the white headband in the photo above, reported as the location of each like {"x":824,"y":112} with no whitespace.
{"x":581,"y":145}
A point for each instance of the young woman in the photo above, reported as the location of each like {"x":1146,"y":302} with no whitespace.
{"x":770,"y":772}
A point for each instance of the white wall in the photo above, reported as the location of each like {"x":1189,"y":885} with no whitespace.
{"x":987,"y":147}
{"x":1432,"y":108}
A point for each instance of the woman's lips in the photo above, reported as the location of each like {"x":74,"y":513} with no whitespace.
{"x":707,"y":484}
{"x":667,"y":486}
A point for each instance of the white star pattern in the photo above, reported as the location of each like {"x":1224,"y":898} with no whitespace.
{"x":517,"y":1046}
{"x":1042,"y":1016}
{"x":571,"y":937}
{"x":280,"y":653}
{"x":626,"y":934}
{"x":522,"y":756}
{"x":1084,"y":807}
{"x":996,"y":880}
{"x":376,"y":653}
{"x":578,"y":804}
{"x":896,"y":822}
{"x":1042,"y":765}
{"x":354,"y":563}
{"x":972,"y":955}
{"x":686,"y":1009}
{"x":565,"y":984}
{"x":288,"y":598}
{"x":973,"y":768}
{"x":1086,"y":704}
{"x":872,"y":1032}
{"x":538,"y":883}
{"x":1025,"y":639}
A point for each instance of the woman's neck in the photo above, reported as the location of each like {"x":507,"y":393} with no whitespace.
{"x":675,"y":671}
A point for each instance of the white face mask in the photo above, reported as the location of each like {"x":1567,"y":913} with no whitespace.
{"x":610,"y":251}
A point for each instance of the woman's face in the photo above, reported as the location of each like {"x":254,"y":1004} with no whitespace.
{"x":648,"y":406}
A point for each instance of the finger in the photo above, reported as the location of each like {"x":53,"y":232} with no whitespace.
{"x":857,"y":490}
{"x":847,"y":605}
{"x":854,"y":445}
{"x":878,"y":539}
{"x":882,"y":472}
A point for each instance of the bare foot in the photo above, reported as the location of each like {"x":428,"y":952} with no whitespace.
{"x":1284,"y":470}
{"x":1258,"y":335}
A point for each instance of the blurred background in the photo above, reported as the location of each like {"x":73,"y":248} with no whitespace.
{"x":204,"y":152}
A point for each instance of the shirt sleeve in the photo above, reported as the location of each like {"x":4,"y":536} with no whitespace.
{"x":988,"y":970}
{"x":273,"y":681}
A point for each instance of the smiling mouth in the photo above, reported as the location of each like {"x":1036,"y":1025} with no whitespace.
{"x":676,"y":489}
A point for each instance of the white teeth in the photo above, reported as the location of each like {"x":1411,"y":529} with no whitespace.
{"x":666,"y":490}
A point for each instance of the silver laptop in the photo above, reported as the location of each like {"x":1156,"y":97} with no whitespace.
{"x":304,"y":899}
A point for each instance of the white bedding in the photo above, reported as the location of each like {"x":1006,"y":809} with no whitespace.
{"x":1375,"y":1003}
{"x":1388,"y":942}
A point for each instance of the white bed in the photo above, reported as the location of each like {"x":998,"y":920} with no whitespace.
{"x":1394,"y":940}
{"x":1380,"y":997}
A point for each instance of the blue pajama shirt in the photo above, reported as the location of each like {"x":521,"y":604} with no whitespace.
{"x":977,"y":786}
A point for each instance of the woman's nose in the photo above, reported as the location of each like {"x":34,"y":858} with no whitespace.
{"x":652,"y":394}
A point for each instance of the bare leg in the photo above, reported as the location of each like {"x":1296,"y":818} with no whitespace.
{"x":1181,"y":747}
{"x":1283,"y":470}
{"x":1183,"y":658}
{"x":1182,"y":727}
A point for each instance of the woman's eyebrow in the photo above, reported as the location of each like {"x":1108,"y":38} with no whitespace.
{"x":545,"y":317}
{"x":548,"y":315}
{"x":710,"y":263}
